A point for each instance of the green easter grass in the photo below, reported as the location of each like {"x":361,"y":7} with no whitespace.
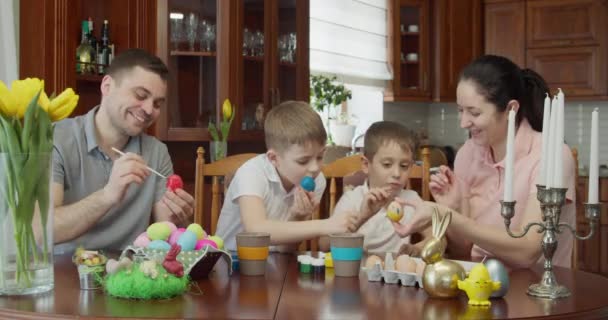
{"x":134,"y":284}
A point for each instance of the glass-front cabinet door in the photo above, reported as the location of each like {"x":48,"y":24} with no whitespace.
{"x":252,"y":70}
{"x":286,"y":56}
{"x":189,"y":50}
{"x":412,"y":72}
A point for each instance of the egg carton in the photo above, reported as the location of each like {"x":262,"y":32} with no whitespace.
{"x":376,"y":273}
{"x":408,"y":279}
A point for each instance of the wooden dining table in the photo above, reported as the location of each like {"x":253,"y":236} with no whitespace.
{"x":285,"y":293}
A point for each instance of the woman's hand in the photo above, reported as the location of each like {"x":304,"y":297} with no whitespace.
{"x":419,"y":221}
{"x":445,"y":188}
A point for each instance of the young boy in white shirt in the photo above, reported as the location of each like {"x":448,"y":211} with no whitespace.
{"x":265,"y":193}
{"x":388,"y":155}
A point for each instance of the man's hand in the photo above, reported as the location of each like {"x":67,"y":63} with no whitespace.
{"x":130,"y":168}
{"x":180,"y":204}
{"x":303,"y":205}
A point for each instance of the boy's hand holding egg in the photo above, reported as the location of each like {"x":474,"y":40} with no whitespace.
{"x":373,"y":201}
{"x":304,"y":201}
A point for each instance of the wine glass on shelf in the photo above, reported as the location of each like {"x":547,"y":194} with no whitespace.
{"x":259,"y":43}
{"x":202,"y":29}
{"x":177,"y":28}
{"x":209,"y":35}
{"x":291,"y":48}
{"x":192,"y":29}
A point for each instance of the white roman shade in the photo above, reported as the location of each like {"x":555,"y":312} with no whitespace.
{"x":348,"y":37}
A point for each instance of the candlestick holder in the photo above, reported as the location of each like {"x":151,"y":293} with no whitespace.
{"x":551,"y":202}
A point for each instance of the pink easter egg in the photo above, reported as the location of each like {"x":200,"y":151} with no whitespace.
{"x":142,"y":240}
{"x":175,"y":235}
{"x":171,"y":225}
{"x":200,"y":244}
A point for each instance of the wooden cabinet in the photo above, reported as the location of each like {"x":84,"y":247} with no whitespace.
{"x":253,"y":52}
{"x":430,"y":41}
{"x":47,"y":49}
{"x":456,"y":42}
{"x":563,"y":40}
{"x":409,"y":40}
{"x":504,"y":29}
{"x":259,"y":58}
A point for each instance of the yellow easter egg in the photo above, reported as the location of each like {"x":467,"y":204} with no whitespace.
{"x":197,"y":230}
{"x":158,"y":231}
{"x":394,"y":211}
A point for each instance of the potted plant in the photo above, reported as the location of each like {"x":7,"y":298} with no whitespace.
{"x":326,"y":95}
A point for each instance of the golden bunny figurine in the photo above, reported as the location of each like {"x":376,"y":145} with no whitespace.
{"x":440,"y":276}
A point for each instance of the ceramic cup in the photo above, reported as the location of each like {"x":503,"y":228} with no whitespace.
{"x":412,"y":28}
{"x":346,"y":252}
{"x":412,"y":56}
{"x":252,"y":250}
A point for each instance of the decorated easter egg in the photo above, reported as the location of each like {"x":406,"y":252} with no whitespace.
{"x":197,"y":230}
{"x":171,"y":225}
{"x":159,"y":244}
{"x":159,"y":231}
{"x":219,"y":241}
{"x":308,"y":183}
{"x":175,"y":235}
{"x":174,"y":182}
{"x":142,"y":240}
{"x":187,"y":240}
{"x":372,"y":261}
{"x":405,"y":264}
{"x":200,"y":244}
{"x":498,"y":272}
{"x":394,"y":211}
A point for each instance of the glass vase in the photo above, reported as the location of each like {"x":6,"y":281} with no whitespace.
{"x":26,"y":223}
{"x":219,"y":150}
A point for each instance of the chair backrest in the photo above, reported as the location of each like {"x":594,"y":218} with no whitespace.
{"x":346,"y":167}
{"x":218,"y":170}
{"x":579,"y":204}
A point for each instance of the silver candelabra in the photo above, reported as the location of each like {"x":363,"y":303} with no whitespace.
{"x":551,"y":202}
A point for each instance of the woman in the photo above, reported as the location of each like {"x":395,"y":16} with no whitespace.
{"x":488,"y":88}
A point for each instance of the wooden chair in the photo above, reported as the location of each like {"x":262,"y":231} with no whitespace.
{"x":224,"y":168}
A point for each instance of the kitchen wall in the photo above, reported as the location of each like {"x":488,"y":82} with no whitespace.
{"x":441,"y":122}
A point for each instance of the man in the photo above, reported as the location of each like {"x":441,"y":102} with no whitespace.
{"x":104,"y":200}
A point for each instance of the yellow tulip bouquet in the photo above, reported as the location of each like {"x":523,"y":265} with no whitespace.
{"x":26,"y":145}
{"x":225,"y":123}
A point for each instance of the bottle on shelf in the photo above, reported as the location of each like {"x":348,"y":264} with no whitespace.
{"x":84,"y":51}
{"x":93,"y":43}
{"x":103,"y":52}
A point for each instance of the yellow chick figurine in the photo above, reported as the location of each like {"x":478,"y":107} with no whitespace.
{"x":478,"y":285}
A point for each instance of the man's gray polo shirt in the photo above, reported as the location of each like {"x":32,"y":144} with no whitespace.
{"x":82,"y":168}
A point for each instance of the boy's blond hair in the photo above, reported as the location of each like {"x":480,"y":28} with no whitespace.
{"x":293,"y":122}
{"x":383,"y":132}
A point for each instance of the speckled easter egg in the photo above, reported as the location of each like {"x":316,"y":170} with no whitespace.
{"x":159,"y":244}
{"x":187,"y":240}
{"x":308,"y":183}
{"x":200,"y":244}
{"x":142,"y":240}
{"x":171,"y":225}
{"x":394,"y":211}
{"x":197,"y":230}
{"x":175,"y":235}
{"x":158,"y":231}
{"x":219,"y":241}
{"x":405,"y":264}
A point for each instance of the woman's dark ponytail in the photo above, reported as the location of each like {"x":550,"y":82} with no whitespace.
{"x":500,"y":80}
